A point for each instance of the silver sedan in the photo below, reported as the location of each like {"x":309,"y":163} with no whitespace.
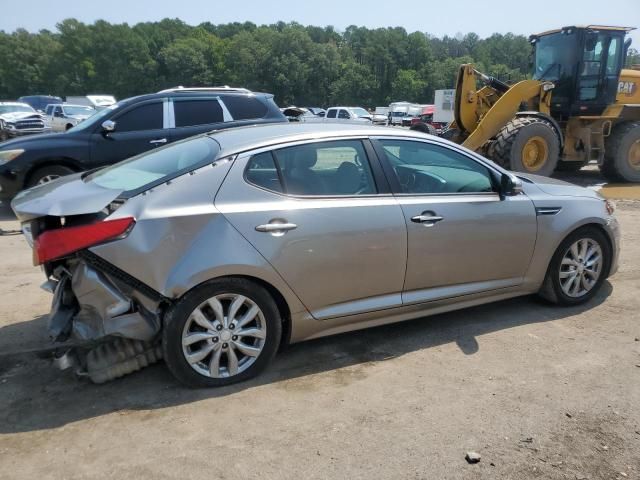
{"x":215,"y":251}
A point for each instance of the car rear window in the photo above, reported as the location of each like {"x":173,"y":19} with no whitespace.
{"x":244,"y":107}
{"x":157,"y":166}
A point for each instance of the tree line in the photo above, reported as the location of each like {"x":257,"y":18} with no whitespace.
{"x":301,"y":65}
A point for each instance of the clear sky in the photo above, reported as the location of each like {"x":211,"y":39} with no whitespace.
{"x":437,"y":17}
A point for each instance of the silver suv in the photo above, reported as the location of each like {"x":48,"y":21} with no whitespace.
{"x":214,"y":251}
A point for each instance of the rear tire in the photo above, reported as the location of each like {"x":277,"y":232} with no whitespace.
{"x":527,"y":144}
{"x":48,"y":174}
{"x":563,"y":266}
{"x":622,"y":154}
{"x":222,"y":354}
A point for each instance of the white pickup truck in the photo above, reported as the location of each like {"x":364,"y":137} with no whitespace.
{"x":61,"y":117}
{"x":354,"y":114}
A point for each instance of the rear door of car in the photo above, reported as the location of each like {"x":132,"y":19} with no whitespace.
{"x":463,"y":237}
{"x":138,"y":128}
{"x":322,"y":215}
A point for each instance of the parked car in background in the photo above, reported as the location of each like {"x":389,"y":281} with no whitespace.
{"x":348,"y":114}
{"x":18,"y":119}
{"x":98,"y":102}
{"x":62,"y":117}
{"x":39,"y":102}
{"x":128,"y":128}
{"x":216,"y":251}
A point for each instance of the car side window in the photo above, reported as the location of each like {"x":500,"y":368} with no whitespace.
{"x":57,"y":111}
{"x":144,"y":117}
{"x":189,"y":113}
{"x":326,"y":168}
{"x":331,"y":114}
{"x":261,"y":171}
{"x":244,"y":107}
{"x":343,"y":114}
{"x":424,"y":168}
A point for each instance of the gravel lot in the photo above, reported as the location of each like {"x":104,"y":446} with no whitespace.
{"x":537,"y":391}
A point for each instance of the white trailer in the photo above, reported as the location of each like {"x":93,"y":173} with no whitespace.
{"x":444,"y":104}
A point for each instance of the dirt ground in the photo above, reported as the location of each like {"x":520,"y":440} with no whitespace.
{"x":537,"y":391}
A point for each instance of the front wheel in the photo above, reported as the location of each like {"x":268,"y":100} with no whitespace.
{"x":222,"y":332}
{"x":48,"y":174}
{"x":578,"y":267}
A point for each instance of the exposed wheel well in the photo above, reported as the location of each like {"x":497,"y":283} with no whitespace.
{"x":64,"y":161}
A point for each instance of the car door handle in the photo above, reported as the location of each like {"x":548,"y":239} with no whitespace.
{"x":276,"y":227}
{"x":158,"y":141}
{"x":428,"y":219}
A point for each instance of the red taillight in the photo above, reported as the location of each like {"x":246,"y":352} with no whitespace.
{"x":57,"y":243}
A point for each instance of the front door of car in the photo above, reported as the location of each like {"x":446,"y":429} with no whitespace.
{"x":138,"y":129}
{"x":463,"y":238}
{"x":322,"y":215}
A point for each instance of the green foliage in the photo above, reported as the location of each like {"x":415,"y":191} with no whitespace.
{"x":302,"y":65}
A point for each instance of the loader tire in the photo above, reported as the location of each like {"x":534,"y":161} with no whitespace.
{"x":424,"y":128}
{"x":622,"y":154}
{"x":527,"y":144}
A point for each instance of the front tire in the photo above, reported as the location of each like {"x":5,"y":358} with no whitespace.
{"x":48,"y":174}
{"x":222,"y":332}
{"x":527,"y":144}
{"x":578,"y":268}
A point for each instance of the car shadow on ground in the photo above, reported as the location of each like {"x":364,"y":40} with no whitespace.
{"x":35,"y":396}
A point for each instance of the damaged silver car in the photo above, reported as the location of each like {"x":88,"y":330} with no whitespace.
{"x":215,"y":251}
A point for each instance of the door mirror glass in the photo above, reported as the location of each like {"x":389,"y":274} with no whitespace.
{"x":510,"y":185}
{"x":108,"y":126}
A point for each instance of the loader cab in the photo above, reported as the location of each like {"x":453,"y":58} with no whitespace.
{"x":584,"y":63}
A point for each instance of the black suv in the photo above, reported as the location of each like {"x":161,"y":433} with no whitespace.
{"x":127,"y":128}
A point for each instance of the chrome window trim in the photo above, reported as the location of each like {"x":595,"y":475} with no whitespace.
{"x":166,"y":114}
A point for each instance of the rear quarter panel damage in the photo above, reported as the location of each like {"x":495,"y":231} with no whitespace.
{"x":181,"y":240}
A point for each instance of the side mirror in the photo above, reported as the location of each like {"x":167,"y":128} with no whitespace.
{"x":108,"y":126}
{"x":510,"y":185}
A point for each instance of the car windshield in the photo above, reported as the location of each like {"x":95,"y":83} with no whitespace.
{"x":78,"y":110}
{"x":15,"y":108}
{"x":360,"y":112}
{"x":157,"y":166}
{"x":97,"y":117}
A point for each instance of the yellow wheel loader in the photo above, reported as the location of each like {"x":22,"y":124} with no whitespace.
{"x":581,"y":105}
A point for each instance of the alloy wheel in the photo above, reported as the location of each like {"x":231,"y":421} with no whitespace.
{"x":47,"y":179}
{"x":224,"y":336}
{"x":581,"y":267}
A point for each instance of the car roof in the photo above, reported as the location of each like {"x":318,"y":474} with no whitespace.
{"x":240,"y":139}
